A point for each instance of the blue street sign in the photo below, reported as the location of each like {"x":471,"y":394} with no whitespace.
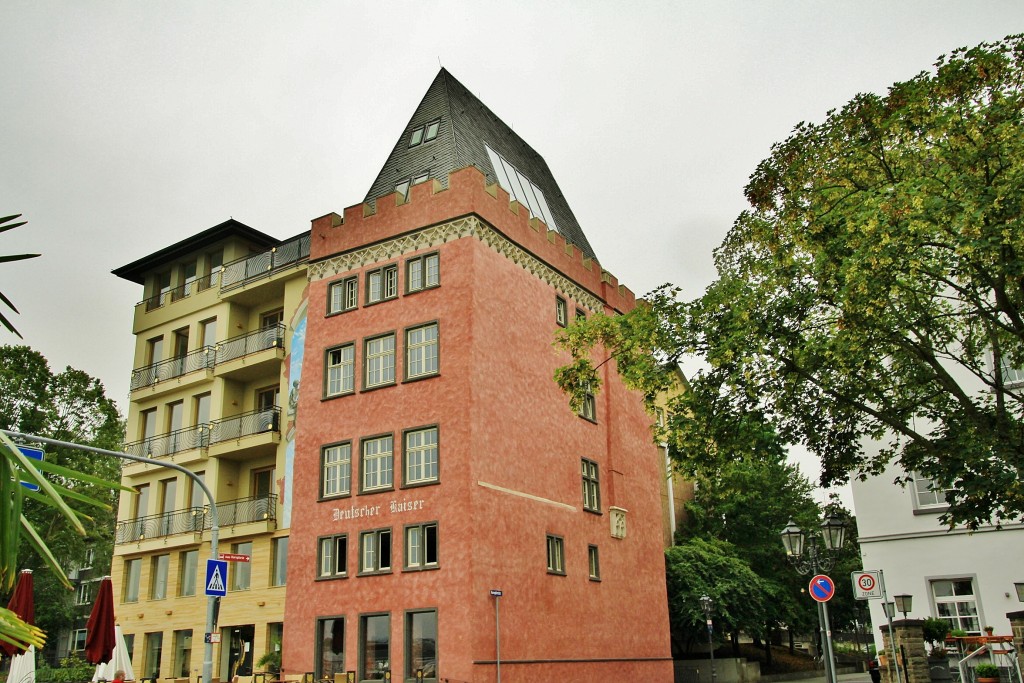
{"x":32,"y":454}
{"x":821,"y":588}
{"x":217,"y":577}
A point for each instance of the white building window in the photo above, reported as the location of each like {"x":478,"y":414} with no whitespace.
{"x":378,"y":463}
{"x":380,"y":361}
{"x":337,"y":470}
{"x":340,"y":370}
{"x":956,"y":604}
{"x":421,"y":456}
{"x":421,"y":351}
{"x":375,"y":551}
{"x":928,"y":493}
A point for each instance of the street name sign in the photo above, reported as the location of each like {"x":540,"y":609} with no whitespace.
{"x":233,"y":557}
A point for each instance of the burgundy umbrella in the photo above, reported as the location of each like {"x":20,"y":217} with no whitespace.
{"x":23,"y":604}
{"x":99,"y":637}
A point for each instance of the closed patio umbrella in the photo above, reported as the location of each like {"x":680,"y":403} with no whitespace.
{"x":23,"y":604}
{"x":99,"y":635}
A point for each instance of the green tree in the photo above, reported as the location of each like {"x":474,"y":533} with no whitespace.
{"x":746,"y":502}
{"x":68,"y":406}
{"x":711,"y":567}
{"x":873,"y":290}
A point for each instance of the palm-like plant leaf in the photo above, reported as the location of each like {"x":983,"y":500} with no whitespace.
{"x":5,"y":225}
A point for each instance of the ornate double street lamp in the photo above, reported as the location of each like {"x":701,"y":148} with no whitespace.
{"x":813,"y":554}
{"x":706,"y":605}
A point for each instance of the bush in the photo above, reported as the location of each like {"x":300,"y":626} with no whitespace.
{"x":985,"y":670}
{"x":73,"y":669}
{"x":935,"y":630}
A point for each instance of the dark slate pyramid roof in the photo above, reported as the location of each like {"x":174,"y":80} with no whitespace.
{"x":466,"y":125}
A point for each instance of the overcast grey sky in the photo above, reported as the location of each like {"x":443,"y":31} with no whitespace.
{"x":128,"y":126}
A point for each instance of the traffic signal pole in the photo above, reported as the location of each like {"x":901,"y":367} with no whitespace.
{"x":214,"y":520}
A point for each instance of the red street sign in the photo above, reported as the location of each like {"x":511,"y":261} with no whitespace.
{"x":234,"y":557}
{"x":821,"y":588}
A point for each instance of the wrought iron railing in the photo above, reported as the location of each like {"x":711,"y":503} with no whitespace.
{"x":242,"y":510}
{"x":189,"y":520}
{"x":265,"y":264}
{"x":246,"y":424}
{"x":243,"y":345}
{"x":155,"y":302}
{"x":172,"y":442}
{"x":147,"y":375}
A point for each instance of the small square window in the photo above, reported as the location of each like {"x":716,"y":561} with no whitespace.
{"x":561,"y":312}
{"x":416,"y":137}
{"x":591,"y":486}
{"x":339,"y":375}
{"x":382,"y":284}
{"x":421,"y":546}
{"x":332,"y":556}
{"x":432,"y":129}
{"x":421,"y":456}
{"x":336,"y":470}
{"x":375,"y":551}
{"x":556,"y":555}
{"x":379,"y":361}
{"x":421,"y":351}
{"x":588,"y":409}
{"x":595,"y":563}
{"x":378,"y":463}
{"x":422,"y":272}
{"x":343,"y":295}
{"x":581,"y":314}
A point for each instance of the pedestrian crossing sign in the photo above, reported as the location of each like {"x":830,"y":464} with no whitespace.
{"x":217,"y":577}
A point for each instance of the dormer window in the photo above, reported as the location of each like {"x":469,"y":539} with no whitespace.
{"x":424,"y":133}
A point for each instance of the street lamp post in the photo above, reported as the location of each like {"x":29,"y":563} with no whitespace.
{"x":811,"y":554}
{"x":706,"y":605}
{"x":211,"y":601}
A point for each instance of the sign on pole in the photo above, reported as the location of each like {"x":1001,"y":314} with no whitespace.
{"x":821,"y":588}
{"x":867,"y":584}
{"x":217,"y":577}
{"x":495,"y":593}
{"x":32,"y":454}
{"x":211,"y":637}
{"x":233,"y":557}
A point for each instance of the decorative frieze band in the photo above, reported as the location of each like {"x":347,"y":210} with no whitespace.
{"x":467,"y":226}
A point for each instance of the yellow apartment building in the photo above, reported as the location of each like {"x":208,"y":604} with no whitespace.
{"x":219,"y":335}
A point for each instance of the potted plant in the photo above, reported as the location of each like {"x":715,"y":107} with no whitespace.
{"x":986,"y":673}
{"x":271,"y":661}
{"x":989,"y":630}
{"x":935,"y":632}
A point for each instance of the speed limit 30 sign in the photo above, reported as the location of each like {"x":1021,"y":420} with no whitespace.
{"x":867,"y":584}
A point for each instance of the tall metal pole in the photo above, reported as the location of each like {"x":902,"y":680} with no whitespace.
{"x":214,"y":520}
{"x":830,"y":655}
{"x":888,"y":617}
{"x":496,"y":594}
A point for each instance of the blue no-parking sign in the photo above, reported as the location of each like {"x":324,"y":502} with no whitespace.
{"x":821,"y":588}
{"x":217,"y":577}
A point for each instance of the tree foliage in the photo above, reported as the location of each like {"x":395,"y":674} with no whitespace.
{"x":711,"y":567}
{"x":75,"y":488}
{"x":872,"y":292}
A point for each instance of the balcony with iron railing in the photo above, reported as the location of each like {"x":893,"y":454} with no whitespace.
{"x":247,"y":269}
{"x":173,"y":368}
{"x":171,"y":443}
{"x":246,"y":436}
{"x":188,"y":521}
{"x":248,"y":356}
{"x":257,"y":510}
{"x":237,"y":273}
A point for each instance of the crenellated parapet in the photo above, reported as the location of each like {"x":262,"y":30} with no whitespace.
{"x":431,"y":215}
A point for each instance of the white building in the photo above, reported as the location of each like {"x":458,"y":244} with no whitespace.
{"x":966,"y":578}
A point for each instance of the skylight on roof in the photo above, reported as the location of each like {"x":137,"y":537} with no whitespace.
{"x":424,"y":133}
{"x":520,"y":188}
